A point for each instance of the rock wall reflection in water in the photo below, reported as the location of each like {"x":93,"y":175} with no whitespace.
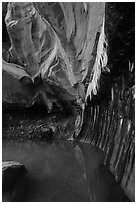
{"x":111,"y":127}
{"x":56,"y":174}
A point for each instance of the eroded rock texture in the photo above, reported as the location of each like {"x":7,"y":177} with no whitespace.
{"x":85,"y":52}
{"x":25,"y":28}
{"x":110,"y":126}
{"x":41,"y":48}
{"x":109,"y":116}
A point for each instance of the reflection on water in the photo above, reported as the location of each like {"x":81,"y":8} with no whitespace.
{"x":63,"y":171}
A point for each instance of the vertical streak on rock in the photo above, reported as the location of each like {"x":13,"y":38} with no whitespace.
{"x":110,"y":127}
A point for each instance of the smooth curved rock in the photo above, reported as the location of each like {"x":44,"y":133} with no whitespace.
{"x":12,"y":176}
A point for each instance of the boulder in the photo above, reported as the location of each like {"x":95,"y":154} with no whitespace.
{"x":12,"y":176}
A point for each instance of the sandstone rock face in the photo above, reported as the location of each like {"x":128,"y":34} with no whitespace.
{"x":40,"y":47}
{"x":12,"y":174}
{"x":24,"y":28}
{"x":80,"y":64}
{"x":109,"y":117}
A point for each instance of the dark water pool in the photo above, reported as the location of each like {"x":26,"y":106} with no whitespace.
{"x":62,"y":171}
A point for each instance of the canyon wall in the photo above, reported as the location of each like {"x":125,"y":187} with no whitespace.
{"x":94,"y":61}
{"x":111,"y":127}
{"x":109,"y":116}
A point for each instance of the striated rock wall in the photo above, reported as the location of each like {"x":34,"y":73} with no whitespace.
{"x":109,"y":115}
{"x":111,"y":127}
{"x":108,"y":121}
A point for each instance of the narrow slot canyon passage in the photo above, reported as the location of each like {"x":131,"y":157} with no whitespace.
{"x":68,"y":101}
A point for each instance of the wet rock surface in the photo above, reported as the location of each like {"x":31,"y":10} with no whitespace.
{"x":108,"y":121}
{"x":110,"y":127}
{"x":109,"y":117}
{"x":13,"y":177}
{"x":36,"y":123}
